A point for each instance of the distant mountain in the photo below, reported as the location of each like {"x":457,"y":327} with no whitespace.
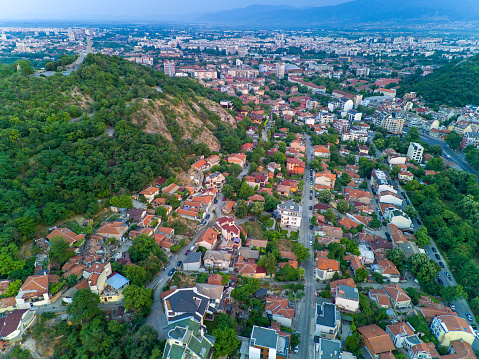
{"x":454,"y":84}
{"x":354,"y":12}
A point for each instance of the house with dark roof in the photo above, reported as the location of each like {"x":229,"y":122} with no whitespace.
{"x":267,"y":343}
{"x":192,"y":262}
{"x":327,"y":321}
{"x":327,"y":348}
{"x":184,"y":303}
{"x":14,"y":324}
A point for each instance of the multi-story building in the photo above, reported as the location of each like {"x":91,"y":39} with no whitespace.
{"x":393,"y":124}
{"x":290,"y":213}
{"x":415,"y":151}
{"x":328,"y":320}
{"x":169,"y":67}
{"x":280,"y":69}
{"x":341,"y":126}
{"x":447,"y":328}
{"x":266,"y":343}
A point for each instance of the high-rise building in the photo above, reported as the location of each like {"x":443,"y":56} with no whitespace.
{"x":169,"y":67}
{"x":280,"y":68}
{"x":415,"y":152}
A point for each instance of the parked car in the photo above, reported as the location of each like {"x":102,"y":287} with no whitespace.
{"x":452,"y":306}
{"x":310,"y":197}
{"x":448,"y":275}
{"x":296,"y":349}
{"x":251,"y":219}
{"x":439,"y":280}
{"x":441,"y":265}
{"x":172,"y":270}
{"x":208,"y":216}
{"x":202,"y":223}
{"x":469,"y":317}
{"x":310,"y":207}
{"x":179,"y":263}
{"x":187,"y":252}
{"x":438,"y":257}
{"x":434,"y":249}
{"x":310,"y":226}
{"x":310,"y":243}
{"x":215,"y":201}
{"x":388,"y":236}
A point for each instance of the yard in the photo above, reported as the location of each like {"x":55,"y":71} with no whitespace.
{"x":266,"y":220}
{"x":253,"y":229}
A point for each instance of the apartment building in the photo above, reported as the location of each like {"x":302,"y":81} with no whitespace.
{"x":290,"y":213}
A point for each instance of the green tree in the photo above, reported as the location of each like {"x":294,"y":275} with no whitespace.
{"x":226,"y":341}
{"x":268,"y":262}
{"x":453,"y":139}
{"x":413,"y":294}
{"x":302,"y":253}
{"x":123,"y":201}
{"x":314,"y":221}
{"x":452,"y":293}
{"x":137,"y":275}
{"x":137,"y":298}
{"x":270,"y":203}
{"x":324,"y":196}
{"x":361,"y":275}
{"x":84,"y":306}
{"x":422,"y":238}
{"x":435,"y":164}
{"x":329,"y":215}
{"x":241,"y":209}
{"x":342,"y":206}
{"x":396,"y":255}
{"x":143,"y":247}
{"x":394,"y":172}
{"x":59,"y":249}
{"x":435,"y":150}
{"x":256,"y":208}
{"x":12,"y":289}
{"x":410,"y":211}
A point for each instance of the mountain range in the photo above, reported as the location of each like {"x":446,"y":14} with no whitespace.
{"x":353,"y":12}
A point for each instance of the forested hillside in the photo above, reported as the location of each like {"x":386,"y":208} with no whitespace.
{"x":68,"y":141}
{"x":455,"y":84}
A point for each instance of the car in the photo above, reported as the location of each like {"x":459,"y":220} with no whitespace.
{"x":441,"y":265}
{"x":438,"y":257}
{"x":202,"y":223}
{"x":251,"y":219}
{"x":215,"y":201}
{"x":310,"y":226}
{"x":179,"y":263}
{"x":224,"y":199}
{"x":171,"y":271}
{"x":296,"y":349}
{"x":477,"y":334}
{"x":310,"y":197}
{"x":448,"y":275}
{"x":474,"y":326}
{"x":187,"y":252}
{"x":388,"y":236}
{"x":310,"y":237}
{"x":439,"y":280}
{"x":384,"y":223}
{"x":311,"y":188}
{"x":208,"y":216}
{"x":434,"y":249}
{"x":310,"y":243}
{"x":310,"y":207}
{"x":469,"y":317}
{"x":452,"y":306}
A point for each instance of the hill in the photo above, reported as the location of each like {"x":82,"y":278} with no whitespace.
{"x":68,"y":142}
{"x":455,"y":84}
{"x":353,"y":12}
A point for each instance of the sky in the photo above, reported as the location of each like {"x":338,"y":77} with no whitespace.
{"x":131,"y":9}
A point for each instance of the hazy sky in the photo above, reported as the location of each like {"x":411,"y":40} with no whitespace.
{"x":130,"y":9}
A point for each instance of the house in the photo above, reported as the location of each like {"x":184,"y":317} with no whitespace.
{"x":377,"y":341}
{"x":322,"y":151}
{"x":167,"y":231}
{"x":248,"y":269}
{"x":460,"y":349}
{"x":266,"y":343}
{"x":185,"y":302}
{"x":115,"y":283}
{"x":215,"y":180}
{"x":187,"y":338}
{"x":278,"y":308}
{"x":295,"y":166}
{"x":415,"y":151}
{"x":346,"y":298}
{"x":272,"y":167}
{"x":192,"y":262}
{"x":33,"y":292}
{"x":380,"y":297}
{"x":399,"y":298}
{"x":7,"y":304}
{"x":324,"y":180}
{"x":238,"y":159}
{"x":256,"y":243}
{"x":170,"y":189}
{"x":200,"y":166}
{"x":67,"y":234}
{"x":326,"y":268}
{"x":398,"y":332}
{"x":421,"y":350}
{"x":356,"y":195}
{"x":389,"y":197}
{"x":388,"y":270}
{"x":447,"y":328}
{"x":397,"y":218}
{"x":150,"y":193}
{"x":249,"y":254}
{"x":115,"y":229}
{"x":217,"y":259}
{"x":97,"y":275}
{"x":328,"y":320}
{"x":228,"y":207}
{"x":212,"y":291}
{"x":328,"y":349}
{"x":14,"y":324}
{"x":230,"y":234}
{"x":207,"y":239}
{"x":247,"y":147}
{"x":291,"y":214}
{"x":363,"y":150}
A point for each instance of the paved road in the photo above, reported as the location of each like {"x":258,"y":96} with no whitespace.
{"x":306,"y":315}
{"x":457,"y":157}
